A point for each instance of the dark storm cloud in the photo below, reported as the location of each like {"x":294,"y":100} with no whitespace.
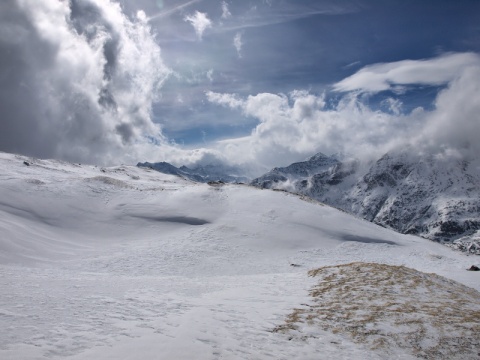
{"x":77,"y":80}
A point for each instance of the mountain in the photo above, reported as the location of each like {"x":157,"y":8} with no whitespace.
{"x":316,"y":164}
{"x":125,"y":262}
{"x":207,"y":173}
{"x":423,"y":195}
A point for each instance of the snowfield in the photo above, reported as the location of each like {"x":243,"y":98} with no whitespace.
{"x":129,"y":263}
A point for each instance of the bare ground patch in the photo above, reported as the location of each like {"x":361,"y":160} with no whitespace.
{"x":392,"y":309}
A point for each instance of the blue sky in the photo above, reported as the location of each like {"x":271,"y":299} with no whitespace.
{"x":257,"y":83}
{"x":288,"y":45}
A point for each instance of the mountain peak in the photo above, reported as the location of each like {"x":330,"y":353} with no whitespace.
{"x":318,"y":156}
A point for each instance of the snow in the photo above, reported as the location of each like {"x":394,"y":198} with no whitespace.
{"x":128,"y":263}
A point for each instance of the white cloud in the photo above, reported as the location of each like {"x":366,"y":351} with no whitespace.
{"x":294,"y":126}
{"x":141,"y":16}
{"x":238,"y":43}
{"x":228,"y":100}
{"x":393,"y":105}
{"x":200,"y":22}
{"x":437,"y":71}
{"x":209,"y":75}
{"x":225,"y":11}
{"x":454,"y":125}
{"x":83,"y":78}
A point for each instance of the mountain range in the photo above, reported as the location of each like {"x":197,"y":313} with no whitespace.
{"x":410,"y":193}
{"x":204,"y":174}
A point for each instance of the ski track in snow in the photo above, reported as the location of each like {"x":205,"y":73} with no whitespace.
{"x":127,"y":263}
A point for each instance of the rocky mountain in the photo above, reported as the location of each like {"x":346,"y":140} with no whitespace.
{"x":207,"y":173}
{"x":428,"y":196}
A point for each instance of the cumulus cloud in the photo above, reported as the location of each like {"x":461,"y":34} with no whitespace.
{"x":238,"y":43}
{"x":77,"y":81}
{"x":437,"y":71}
{"x":200,"y":22}
{"x":298,"y":124}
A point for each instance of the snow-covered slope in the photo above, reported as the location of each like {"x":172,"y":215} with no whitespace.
{"x":126,"y":263}
{"x":413,"y":194}
{"x":207,"y":173}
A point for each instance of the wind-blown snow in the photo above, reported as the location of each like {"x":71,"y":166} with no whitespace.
{"x":125,"y":262}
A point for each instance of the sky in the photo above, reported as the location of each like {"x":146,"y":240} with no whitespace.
{"x":257,"y":83}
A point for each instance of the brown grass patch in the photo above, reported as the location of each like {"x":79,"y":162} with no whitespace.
{"x":388,"y":307}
